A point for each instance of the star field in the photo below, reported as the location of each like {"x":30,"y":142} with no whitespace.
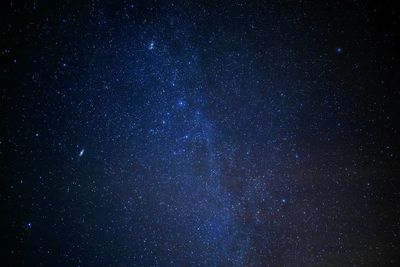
{"x":199,"y":133}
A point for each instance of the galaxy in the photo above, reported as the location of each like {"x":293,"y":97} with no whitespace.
{"x":199,"y":133}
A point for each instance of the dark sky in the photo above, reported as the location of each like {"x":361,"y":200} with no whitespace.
{"x":199,"y":133}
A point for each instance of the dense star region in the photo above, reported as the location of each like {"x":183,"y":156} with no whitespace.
{"x":199,"y":133}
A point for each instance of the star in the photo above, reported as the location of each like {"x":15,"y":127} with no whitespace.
{"x":181,"y":103}
{"x":151,"y":45}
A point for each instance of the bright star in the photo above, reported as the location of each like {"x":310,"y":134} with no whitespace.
{"x":181,"y":103}
{"x":151,"y":45}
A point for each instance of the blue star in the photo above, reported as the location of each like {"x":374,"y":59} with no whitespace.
{"x":181,"y":103}
{"x":151,"y":45}
{"x":339,"y":50}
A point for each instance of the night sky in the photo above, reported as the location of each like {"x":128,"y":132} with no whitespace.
{"x":199,"y":133}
